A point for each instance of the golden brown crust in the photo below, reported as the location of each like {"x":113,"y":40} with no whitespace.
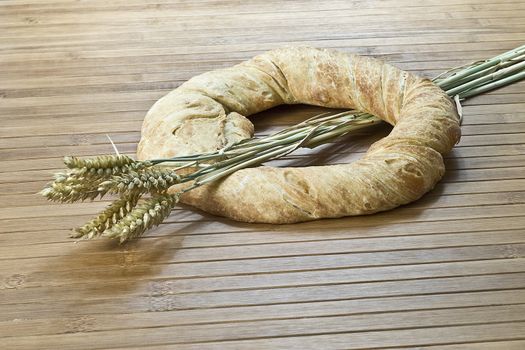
{"x":206,"y":113}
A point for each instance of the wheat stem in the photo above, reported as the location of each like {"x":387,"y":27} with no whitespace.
{"x":125,"y":219}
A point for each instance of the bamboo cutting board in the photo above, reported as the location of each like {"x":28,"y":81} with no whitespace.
{"x":446,"y":272}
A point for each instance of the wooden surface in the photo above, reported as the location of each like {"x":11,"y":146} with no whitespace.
{"x":447,"y":272}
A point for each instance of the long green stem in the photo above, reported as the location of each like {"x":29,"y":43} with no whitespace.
{"x":506,"y":56}
{"x":498,"y":75}
{"x":494,"y":85}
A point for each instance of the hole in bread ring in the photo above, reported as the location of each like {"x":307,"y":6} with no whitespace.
{"x":396,"y":170}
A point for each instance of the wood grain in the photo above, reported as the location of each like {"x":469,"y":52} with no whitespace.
{"x":444,"y":273}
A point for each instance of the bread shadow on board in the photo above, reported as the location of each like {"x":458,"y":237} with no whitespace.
{"x":102,"y":270}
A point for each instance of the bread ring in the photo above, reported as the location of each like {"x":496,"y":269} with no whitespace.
{"x":207,"y":113}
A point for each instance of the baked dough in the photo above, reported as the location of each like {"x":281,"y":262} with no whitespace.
{"x":207,"y":113}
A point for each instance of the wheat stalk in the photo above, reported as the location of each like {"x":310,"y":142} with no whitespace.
{"x":127,"y":217}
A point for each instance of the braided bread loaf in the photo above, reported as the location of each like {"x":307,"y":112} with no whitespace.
{"x":207,"y":113}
